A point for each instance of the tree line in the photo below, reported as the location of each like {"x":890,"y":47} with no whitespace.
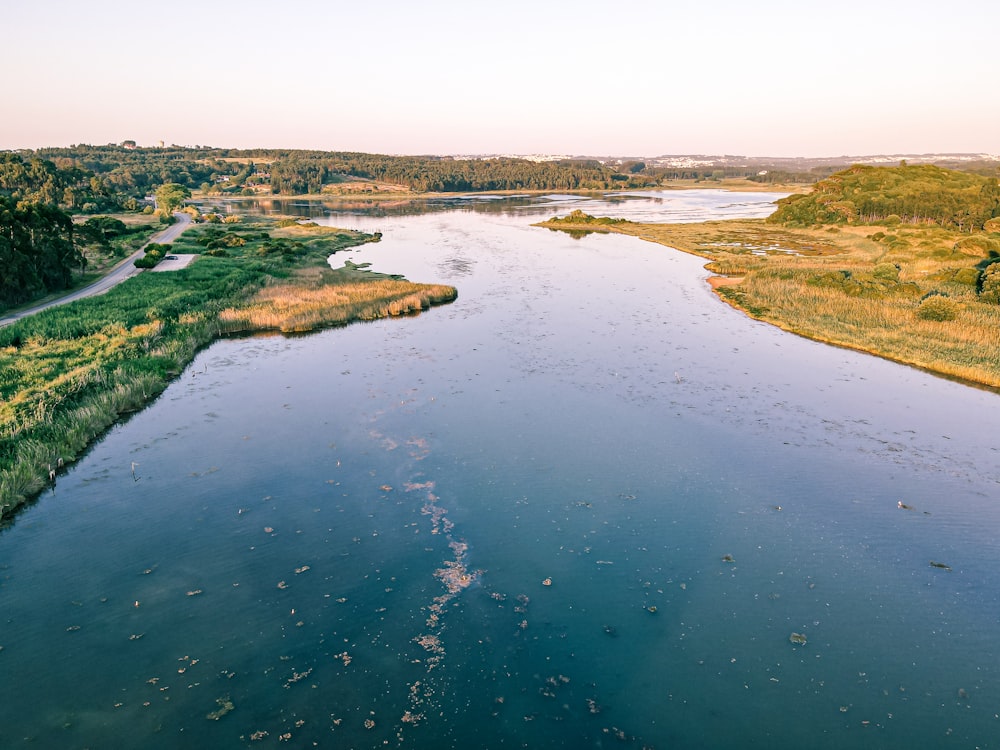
{"x":37,"y":251}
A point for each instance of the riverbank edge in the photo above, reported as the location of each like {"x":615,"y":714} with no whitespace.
{"x":726,"y":289}
{"x":729,"y":186}
{"x":37,"y":464}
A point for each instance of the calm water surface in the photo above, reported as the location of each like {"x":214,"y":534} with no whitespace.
{"x":585,"y":505}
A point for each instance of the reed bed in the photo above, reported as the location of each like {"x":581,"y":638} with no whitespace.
{"x":292,"y":309}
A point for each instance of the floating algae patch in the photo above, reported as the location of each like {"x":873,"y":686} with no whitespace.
{"x":225,"y":706}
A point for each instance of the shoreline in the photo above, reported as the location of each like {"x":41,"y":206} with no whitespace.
{"x":730,"y":185}
{"x":729,"y":288}
{"x":125,"y":348}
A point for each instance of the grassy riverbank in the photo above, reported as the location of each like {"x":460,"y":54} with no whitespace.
{"x":70,"y":372}
{"x":905,"y":293}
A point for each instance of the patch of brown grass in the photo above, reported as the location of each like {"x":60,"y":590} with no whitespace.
{"x":294,"y":308}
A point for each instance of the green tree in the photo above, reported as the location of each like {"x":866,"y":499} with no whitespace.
{"x":170,"y":196}
{"x":37,"y":253}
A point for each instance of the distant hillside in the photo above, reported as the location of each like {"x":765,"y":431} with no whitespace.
{"x":922,"y":194}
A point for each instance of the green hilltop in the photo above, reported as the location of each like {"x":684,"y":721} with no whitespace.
{"x":923,"y":194}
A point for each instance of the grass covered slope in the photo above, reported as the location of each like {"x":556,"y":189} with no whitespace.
{"x":69,"y":372}
{"x":919,"y":195}
{"x":920,"y":291}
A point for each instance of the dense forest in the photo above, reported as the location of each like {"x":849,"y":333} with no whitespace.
{"x":37,"y":252}
{"x":288,"y":172}
{"x":923,"y":194}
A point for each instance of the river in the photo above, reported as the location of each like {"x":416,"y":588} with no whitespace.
{"x":585,"y":505}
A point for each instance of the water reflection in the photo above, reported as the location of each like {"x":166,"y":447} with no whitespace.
{"x":694,"y":205}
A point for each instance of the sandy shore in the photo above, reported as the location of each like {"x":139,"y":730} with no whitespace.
{"x":716,"y":281}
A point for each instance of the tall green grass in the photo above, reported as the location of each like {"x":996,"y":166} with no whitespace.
{"x":68,"y":373}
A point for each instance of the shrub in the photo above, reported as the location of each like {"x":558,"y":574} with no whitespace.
{"x":888,"y":272}
{"x":937,"y":307}
{"x":989,"y":284}
{"x":978,"y":245}
{"x":966,"y":276}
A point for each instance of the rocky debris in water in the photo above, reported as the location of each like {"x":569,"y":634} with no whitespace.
{"x":547,"y":582}
{"x":297,"y":677}
{"x":798,"y":639}
{"x":225,"y":706}
{"x":941,"y":565}
{"x":617,"y":733}
{"x":728,"y":559}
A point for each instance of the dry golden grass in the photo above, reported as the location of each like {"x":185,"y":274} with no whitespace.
{"x":310,"y":231}
{"x":737,"y":183}
{"x":293,"y":308}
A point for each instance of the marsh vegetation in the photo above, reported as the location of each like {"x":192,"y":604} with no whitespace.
{"x":68,"y":373}
{"x":919,"y":290}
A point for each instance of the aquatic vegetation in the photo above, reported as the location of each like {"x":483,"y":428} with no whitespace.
{"x":225,"y":706}
{"x":797,"y":639}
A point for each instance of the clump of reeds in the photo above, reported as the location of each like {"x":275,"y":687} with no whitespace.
{"x":293,"y":308}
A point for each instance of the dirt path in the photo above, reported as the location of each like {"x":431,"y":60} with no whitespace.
{"x":124,"y":270}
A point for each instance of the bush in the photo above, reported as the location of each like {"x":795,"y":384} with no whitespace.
{"x":966,"y":276}
{"x":989,"y":284}
{"x":978,"y":245}
{"x":888,"y":272}
{"x":938,"y":307}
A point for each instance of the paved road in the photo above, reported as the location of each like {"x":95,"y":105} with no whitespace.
{"x":124,"y":270}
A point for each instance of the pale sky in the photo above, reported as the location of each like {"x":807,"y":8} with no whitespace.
{"x":595,"y":77}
